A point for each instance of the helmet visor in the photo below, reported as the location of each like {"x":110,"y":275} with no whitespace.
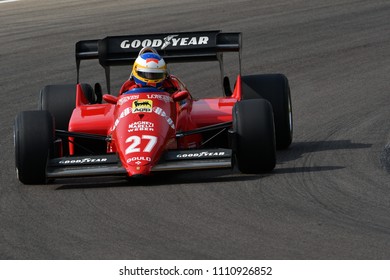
{"x":151,"y":75}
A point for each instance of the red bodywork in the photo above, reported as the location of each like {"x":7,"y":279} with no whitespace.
{"x":142,"y":125}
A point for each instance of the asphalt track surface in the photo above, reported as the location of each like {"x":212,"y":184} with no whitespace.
{"x":329,"y":196}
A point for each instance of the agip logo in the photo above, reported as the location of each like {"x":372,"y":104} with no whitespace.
{"x":142,"y":106}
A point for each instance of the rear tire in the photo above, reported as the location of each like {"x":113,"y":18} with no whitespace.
{"x":274,"y":88}
{"x":34,"y":137}
{"x":253,"y":124}
{"x":60,"y":100}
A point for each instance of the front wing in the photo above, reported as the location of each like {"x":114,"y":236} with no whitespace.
{"x":110,"y":165}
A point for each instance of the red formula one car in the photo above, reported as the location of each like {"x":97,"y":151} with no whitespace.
{"x":79,"y":132}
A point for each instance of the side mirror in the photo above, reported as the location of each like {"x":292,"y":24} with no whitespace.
{"x":110,"y":98}
{"x":179,"y":96}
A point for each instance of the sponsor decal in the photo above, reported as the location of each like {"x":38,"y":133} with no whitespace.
{"x":142,"y":106}
{"x":83,"y":161}
{"x":203,"y":154}
{"x":124,"y":113}
{"x":162,"y":113}
{"x":170,"y":40}
{"x":127,"y":98}
{"x":137,"y":160}
{"x":141,"y":126}
{"x":161,"y":97}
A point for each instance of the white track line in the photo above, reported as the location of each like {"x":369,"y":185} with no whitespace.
{"x":6,"y":1}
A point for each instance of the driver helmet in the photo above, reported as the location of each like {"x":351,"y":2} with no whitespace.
{"x":149,"y":68}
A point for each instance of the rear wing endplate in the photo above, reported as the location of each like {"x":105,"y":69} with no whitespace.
{"x":173,"y":47}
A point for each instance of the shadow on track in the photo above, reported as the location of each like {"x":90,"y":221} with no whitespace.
{"x":305,"y":169}
{"x":298,"y":149}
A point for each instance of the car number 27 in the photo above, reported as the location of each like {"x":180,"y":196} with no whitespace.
{"x":136,"y":142}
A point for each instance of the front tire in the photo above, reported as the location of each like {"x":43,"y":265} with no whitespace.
{"x":253,"y":124}
{"x":34,"y":137}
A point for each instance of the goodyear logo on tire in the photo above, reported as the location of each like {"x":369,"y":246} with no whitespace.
{"x":142,"y":106}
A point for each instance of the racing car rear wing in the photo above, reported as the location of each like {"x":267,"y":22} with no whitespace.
{"x":174,"y":47}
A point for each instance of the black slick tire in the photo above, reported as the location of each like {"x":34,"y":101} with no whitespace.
{"x":60,"y":100}
{"x":274,"y":88}
{"x":253,"y":125}
{"x":33,"y":139}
